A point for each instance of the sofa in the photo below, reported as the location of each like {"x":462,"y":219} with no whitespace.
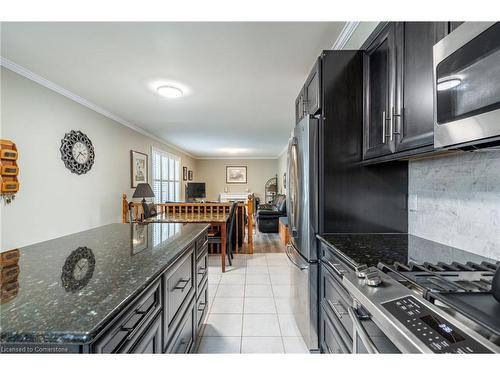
{"x":268,"y":215}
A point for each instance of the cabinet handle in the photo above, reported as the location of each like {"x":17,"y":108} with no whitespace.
{"x":390,"y":135}
{"x":133,"y":331}
{"x":202,"y":270}
{"x":333,"y":266}
{"x":337,"y":312}
{"x":202,"y":304}
{"x":383,"y":126}
{"x":186,"y":282}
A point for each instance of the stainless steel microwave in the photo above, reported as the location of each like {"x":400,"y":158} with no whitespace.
{"x":467,"y":87}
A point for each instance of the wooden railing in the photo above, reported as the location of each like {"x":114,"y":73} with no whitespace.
{"x":133,"y":211}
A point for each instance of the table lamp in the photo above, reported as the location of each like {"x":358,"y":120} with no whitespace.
{"x":143,"y":190}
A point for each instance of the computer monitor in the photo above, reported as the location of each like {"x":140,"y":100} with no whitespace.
{"x":195,"y":190}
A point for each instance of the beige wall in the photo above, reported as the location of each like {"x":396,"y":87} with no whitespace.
{"x":52,"y":201}
{"x":282,"y":169}
{"x":213,"y":173}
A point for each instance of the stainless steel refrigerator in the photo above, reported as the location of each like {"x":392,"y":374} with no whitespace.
{"x":302,"y":199}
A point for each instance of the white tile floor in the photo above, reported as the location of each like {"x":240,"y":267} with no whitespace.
{"x":250,"y":307}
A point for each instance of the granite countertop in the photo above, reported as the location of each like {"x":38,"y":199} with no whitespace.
{"x":70,"y":287}
{"x":372,"y":248}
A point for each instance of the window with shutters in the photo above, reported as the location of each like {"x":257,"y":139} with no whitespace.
{"x":166,"y":177}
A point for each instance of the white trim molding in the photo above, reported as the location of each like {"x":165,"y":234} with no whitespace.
{"x":16,"y":68}
{"x":285,"y":149}
{"x":236,"y":157}
{"x":345,"y":34}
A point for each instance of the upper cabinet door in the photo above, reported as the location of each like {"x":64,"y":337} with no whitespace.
{"x":312,"y":90}
{"x":413,"y":111}
{"x":379,"y":75}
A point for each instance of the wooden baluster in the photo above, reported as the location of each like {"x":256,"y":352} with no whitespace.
{"x":250,"y":224}
{"x":124,"y":209}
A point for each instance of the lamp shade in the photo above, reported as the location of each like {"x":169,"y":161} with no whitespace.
{"x":143,"y":190}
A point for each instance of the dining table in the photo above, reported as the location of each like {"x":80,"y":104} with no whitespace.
{"x":213,"y":218}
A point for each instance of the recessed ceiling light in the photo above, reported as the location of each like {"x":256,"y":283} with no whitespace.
{"x":231,"y":150}
{"x":169,"y":92}
{"x":447,"y":83}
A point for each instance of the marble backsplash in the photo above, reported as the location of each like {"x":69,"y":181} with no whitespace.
{"x":455,"y":200}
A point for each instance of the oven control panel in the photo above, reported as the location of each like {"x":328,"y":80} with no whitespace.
{"x":438,"y":335}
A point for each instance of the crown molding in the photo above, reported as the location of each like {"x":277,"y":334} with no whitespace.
{"x":285,"y":149}
{"x":345,"y":35}
{"x":237,"y":158}
{"x":16,"y":68}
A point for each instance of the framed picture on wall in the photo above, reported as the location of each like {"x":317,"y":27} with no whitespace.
{"x":184,"y":173}
{"x":236,"y":174}
{"x":190,"y":175}
{"x":138,"y":168}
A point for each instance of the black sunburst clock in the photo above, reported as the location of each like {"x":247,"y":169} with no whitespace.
{"x":77,"y":152}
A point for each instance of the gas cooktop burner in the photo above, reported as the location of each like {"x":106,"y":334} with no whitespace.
{"x":462,"y":289}
{"x":441,"y":277}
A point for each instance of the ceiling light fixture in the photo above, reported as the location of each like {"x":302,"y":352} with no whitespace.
{"x":231,"y":150}
{"x":448,"y":83}
{"x":170,"y":92}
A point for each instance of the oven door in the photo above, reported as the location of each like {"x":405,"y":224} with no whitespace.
{"x":467,"y":86}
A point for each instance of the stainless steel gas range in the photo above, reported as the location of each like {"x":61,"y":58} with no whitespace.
{"x":423,"y":297}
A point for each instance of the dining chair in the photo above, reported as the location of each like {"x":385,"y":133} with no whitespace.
{"x":216,"y":239}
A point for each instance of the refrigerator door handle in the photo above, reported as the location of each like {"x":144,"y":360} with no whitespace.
{"x":288,"y":251}
{"x":293,"y":185}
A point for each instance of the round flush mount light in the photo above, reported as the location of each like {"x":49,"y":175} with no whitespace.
{"x":232,"y":150}
{"x":170,"y":92}
{"x":448,"y":83}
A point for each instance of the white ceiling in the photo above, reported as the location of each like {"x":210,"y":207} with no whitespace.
{"x":240,"y":79}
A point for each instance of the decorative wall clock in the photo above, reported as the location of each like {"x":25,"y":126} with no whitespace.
{"x":78,"y":269}
{"x":77,"y":152}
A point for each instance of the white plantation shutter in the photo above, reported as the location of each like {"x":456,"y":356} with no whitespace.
{"x":166,"y":177}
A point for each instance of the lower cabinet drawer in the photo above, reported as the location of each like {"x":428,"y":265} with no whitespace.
{"x":202,"y":306}
{"x":183,"y":341}
{"x":150,"y":341}
{"x":330,"y":341}
{"x":201,"y":244}
{"x":201,"y":271}
{"x":336,"y":298}
{"x":124,"y":333}
{"x":179,"y":285}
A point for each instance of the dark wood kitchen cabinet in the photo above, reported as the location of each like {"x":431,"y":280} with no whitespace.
{"x":379,"y":79}
{"x":308,"y":100}
{"x":167,"y":317}
{"x":413,"y":113}
{"x":398,"y":99}
{"x":150,"y":342}
{"x":299,"y":106}
{"x":312,"y":90}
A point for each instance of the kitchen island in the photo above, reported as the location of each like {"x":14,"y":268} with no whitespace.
{"x":113,"y":289}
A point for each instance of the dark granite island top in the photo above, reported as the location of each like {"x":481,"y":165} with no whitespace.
{"x":372,"y":248}
{"x":72,"y":286}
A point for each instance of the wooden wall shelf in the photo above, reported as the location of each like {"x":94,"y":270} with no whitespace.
{"x":9,"y":170}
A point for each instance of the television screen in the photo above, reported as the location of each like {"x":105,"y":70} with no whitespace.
{"x":196,"y":190}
